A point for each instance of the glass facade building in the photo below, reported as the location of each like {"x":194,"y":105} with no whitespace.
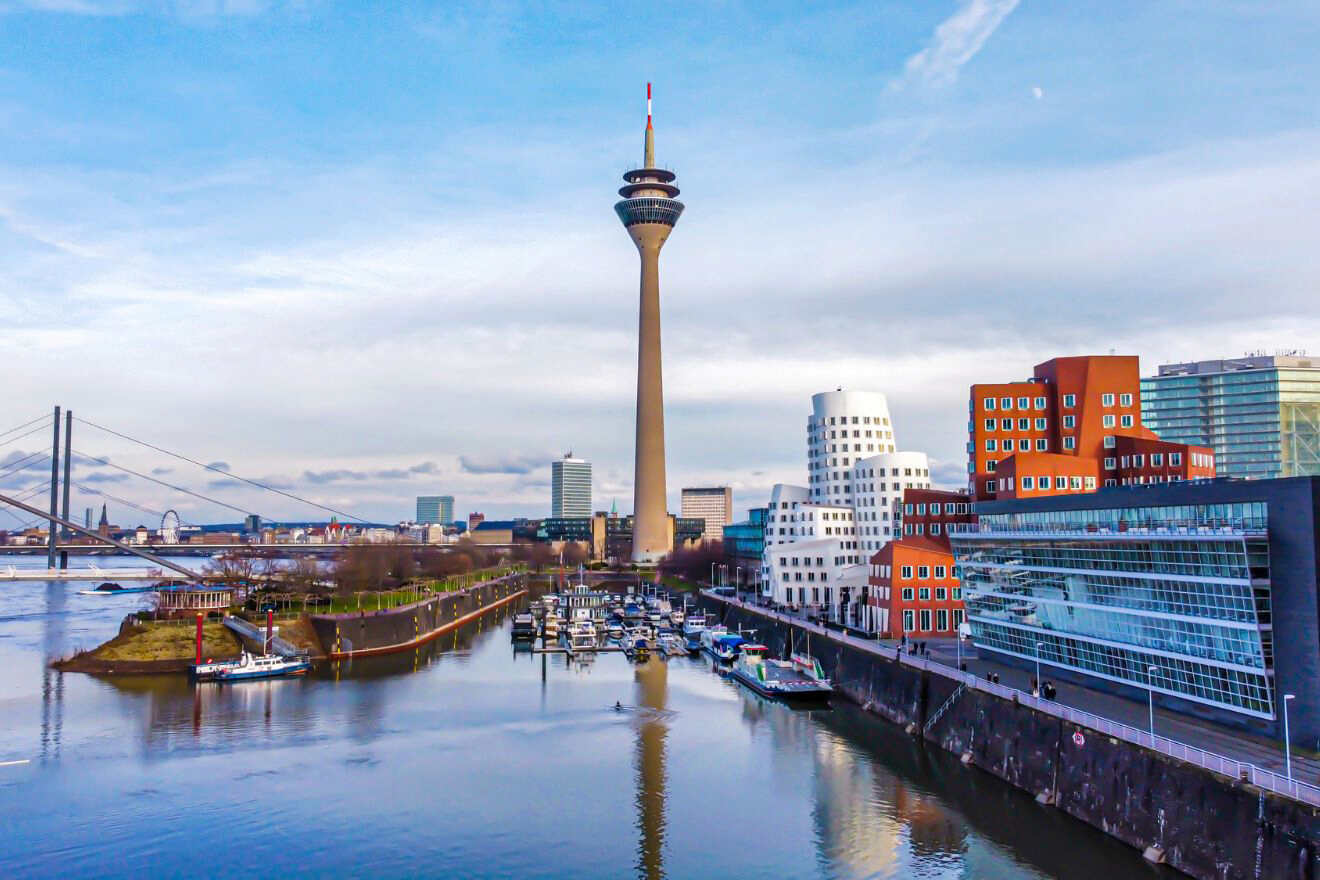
{"x":1260,"y":414}
{"x":746,"y":540}
{"x":1193,"y":591}
{"x":435,"y":509}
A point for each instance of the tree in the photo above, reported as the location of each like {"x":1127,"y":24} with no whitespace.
{"x":574,"y":554}
{"x":694,"y":563}
{"x":234,"y":566}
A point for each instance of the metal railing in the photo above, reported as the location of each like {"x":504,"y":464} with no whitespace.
{"x":1231,"y":767}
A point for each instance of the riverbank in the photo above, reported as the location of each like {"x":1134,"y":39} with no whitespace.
{"x":1204,"y":823}
{"x":152,"y":648}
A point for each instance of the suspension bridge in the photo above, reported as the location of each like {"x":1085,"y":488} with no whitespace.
{"x":61,"y":532}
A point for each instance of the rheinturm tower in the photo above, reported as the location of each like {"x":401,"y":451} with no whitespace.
{"x":649,"y":212}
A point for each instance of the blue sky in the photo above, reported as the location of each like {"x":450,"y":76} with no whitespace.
{"x":367,"y":250}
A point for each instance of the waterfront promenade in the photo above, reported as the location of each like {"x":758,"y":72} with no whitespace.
{"x":1262,"y":758}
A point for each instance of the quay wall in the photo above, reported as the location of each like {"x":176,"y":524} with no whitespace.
{"x":1202,"y":823}
{"x":356,"y":634}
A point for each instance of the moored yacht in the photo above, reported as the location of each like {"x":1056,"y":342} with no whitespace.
{"x":786,"y":679}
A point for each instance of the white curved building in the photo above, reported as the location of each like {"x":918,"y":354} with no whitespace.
{"x":819,"y":537}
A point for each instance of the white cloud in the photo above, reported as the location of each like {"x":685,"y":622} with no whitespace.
{"x":957,"y":40}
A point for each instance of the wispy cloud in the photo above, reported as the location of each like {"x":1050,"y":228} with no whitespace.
{"x":502,"y":464}
{"x":957,"y":40}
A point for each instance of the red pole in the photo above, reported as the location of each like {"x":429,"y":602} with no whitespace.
{"x":270,"y":628}
{"x":199,"y":638}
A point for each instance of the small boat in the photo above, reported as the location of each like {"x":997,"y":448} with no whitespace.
{"x":252,"y":666}
{"x":786,"y":679}
{"x":677,"y":617}
{"x":580,"y":636}
{"x":614,"y":629}
{"x":632,"y":612}
{"x":524,"y":626}
{"x":721,"y":644}
{"x":637,"y":641}
{"x":551,"y":625}
{"x":673,"y":645}
{"x":693,"y":626}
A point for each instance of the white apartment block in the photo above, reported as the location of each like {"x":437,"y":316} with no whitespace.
{"x":714,"y":504}
{"x":819,"y":537}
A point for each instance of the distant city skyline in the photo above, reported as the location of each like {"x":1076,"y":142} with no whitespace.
{"x":283,"y":247}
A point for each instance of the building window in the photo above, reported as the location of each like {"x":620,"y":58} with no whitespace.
{"x":957,"y":596}
{"x":1109,"y":463}
{"x":907,"y":594}
{"x":940,"y":573}
{"x":1040,"y":403}
{"x":1069,"y":442}
{"x":991,"y":465}
{"x":1126,"y":421}
{"x":989,"y":424}
{"x":1109,"y":441}
{"x":1107,"y":421}
{"x":1157,"y":459}
{"x":1075,"y":483}
{"x":1175,"y":459}
{"x":908,"y":619}
{"x":1125,"y":399}
{"x":941,"y":620}
{"x":1090,"y":484}
{"x":1061,"y":482}
{"x":1023,"y":403}
{"x":1005,"y":403}
{"x":1040,"y":424}
{"x":1110,"y":482}
{"x":1042,"y":445}
{"x":988,"y":403}
{"x":924,"y":594}
{"x":1138,"y":461}
{"x":906,"y":572}
{"x":934,"y":528}
{"x":941,"y":594}
{"x":1070,"y":400}
{"x":1024,"y":424}
{"x":990,"y":484}
{"x":1024,"y":445}
{"x":1006,"y":424}
{"x":1028,"y":483}
{"x":1070,"y":421}
{"x":925,"y":620}
{"x":1106,"y":400}
{"x":923,"y":572}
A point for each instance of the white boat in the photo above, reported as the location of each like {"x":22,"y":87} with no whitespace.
{"x":693,"y":626}
{"x":580,"y":636}
{"x":614,"y":629}
{"x":551,"y":625}
{"x":251,"y":666}
{"x":677,"y":617}
{"x":673,"y":645}
{"x":638,"y":640}
{"x":721,"y":644}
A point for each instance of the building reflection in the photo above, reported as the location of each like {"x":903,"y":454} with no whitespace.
{"x":652,"y":680}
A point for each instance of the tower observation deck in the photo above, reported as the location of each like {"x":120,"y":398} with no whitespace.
{"x":649,"y":211}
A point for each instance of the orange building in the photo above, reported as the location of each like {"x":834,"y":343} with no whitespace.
{"x":912,"y":588}
{"x":1083,"y":408}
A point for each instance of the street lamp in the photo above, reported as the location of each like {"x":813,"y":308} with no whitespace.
{"x":1287,"y":742}
{"x":712,"y":574}
{"x":1039,"y":690}
{"x":1150,"y":693}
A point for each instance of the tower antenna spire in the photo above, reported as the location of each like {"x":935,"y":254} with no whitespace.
{"x":648,"y":152}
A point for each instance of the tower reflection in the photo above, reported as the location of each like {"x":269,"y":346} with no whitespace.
{"x":652,"y":680}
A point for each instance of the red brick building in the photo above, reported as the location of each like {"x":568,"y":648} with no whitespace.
{"x":912,"y":588}
{"x":1087,"y":409}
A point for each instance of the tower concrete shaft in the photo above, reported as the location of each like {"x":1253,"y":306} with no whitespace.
{"x":649,"y":212}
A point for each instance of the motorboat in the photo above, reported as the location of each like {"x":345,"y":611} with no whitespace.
{"x":614,"y":629}
{"x":676,"y":617}
{"x":673,"y":645}
{"x":252,"y":666}
{"x":786,"y":679}
{"x":721,"y":644}
{"x":580,"y":636}
{"x":524,"y":626}
{"x":638,"y":641}
{"x":552,"y":622}
{"x":693,"y":626}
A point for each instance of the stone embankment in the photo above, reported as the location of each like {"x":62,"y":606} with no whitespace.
{"x":1202,"y":823}
{"x":365,"y":633}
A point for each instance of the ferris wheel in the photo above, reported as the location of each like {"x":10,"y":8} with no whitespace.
{"x":169,"y":527}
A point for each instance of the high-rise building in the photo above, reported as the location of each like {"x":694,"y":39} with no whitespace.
{"x":714,"y":504}
{"x":1199,"y":594}
{"x":1260,"y":414}
{"x":1074,"y":426}
{"x":819,"y":537}
{"x":649,"y":211}
{"x":570,"y":487}
{"x":437,"y":509}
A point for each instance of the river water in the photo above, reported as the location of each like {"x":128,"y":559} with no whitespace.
{"x":468,"y":759}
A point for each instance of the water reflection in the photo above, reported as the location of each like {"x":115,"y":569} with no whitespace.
{"x":652,"y":689}
{"x":52,"y":681}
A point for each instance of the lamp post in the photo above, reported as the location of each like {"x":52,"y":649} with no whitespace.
{"x":712,"y":574}
{"x":1039,"y":689}
{"x":1150,"y":693}
{"x":1287,"y":741}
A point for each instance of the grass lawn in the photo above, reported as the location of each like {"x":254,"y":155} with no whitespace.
{"x":168,"y":641}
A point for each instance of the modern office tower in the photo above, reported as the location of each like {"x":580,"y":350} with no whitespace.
{"x":1200,"y":594}
{"x":1260,"y":414}
{"x":649,"y":211}
{"x":850,"y":508}
{"x":435,"y":509}
{"x":570,"y":487}
{"x":714,"y":504}
{"x":1074,"y":426}
{"x":744,"y":542}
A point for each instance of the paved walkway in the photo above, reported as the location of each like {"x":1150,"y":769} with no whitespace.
{"x":1260,"y":751}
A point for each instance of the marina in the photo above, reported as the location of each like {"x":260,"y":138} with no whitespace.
{"x":354,"y":748}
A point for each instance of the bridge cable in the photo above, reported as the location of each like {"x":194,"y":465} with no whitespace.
{"x":35,"y":430}
{"x":92,"y":490}
{"x":120,"y":467}
{"x":46,"y":418}
{"x":217,"y":470}
{"x":22,"y":464}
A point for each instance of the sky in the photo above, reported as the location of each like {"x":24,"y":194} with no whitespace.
{"x":366,"y":251}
